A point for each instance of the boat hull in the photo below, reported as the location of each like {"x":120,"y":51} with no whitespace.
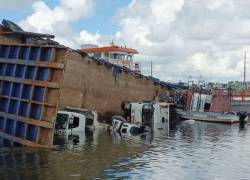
{"x":210,"y":117}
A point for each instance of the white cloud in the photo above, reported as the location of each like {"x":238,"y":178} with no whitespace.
{"x":58,"y":20}
{"x":188,"y":37}
{"x":181,"y":37}
{"x":219,"y":4}
{"x":87,"y":37}
{"x":164,"y":13}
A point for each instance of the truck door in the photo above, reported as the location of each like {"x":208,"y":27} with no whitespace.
{"x":147,"y":115}
{"x":74,"y":123}
{"x":126,"y":107}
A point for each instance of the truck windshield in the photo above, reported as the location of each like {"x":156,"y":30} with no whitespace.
{"x":61,"y":121}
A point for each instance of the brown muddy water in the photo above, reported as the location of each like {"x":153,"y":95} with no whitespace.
{"x":191,"y":150}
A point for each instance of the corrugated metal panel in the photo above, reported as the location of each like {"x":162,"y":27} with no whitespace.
{"x":30,"y":78}
{"x":189,"y":99}
{"x":220,"y":103}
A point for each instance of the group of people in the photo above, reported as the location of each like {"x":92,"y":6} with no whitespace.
{"x":176,"y":98}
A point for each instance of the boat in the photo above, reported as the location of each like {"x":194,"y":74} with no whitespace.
{"x":211,"y":108}
{"x":228,"y":118}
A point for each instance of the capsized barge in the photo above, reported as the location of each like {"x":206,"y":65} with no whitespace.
{"x":30,"y":81}
{"x":39,"y":77}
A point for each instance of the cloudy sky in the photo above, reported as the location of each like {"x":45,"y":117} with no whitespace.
{"x":184,"y":38}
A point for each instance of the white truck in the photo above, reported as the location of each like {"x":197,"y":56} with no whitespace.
{"x":138,"y":115}
{"x":156,"y":115}
{"x":74,"y":120}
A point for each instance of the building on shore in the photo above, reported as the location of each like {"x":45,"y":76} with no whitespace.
{"x":114,"y":54}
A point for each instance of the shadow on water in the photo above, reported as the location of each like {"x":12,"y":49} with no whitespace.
{"x":191,"y":150}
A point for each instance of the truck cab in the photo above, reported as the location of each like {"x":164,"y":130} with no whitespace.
{"x":69,"y":122}
{"x":73,"y":120}
{"x":155,"y":115}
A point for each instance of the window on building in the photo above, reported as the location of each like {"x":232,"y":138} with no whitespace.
{"x":97,"y":55}
{"x":129,"y":58}
{"x":137,"y":65}
{"x":118,"y":56}
{"x":111,"y":56}
{"x":115,"y":56}
{"x":106,"y":56}
{"x":121,"y":56}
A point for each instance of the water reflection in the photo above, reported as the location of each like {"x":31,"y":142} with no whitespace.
{"x":78,"y":140}
{"x":74,"y":157}
{"x":193,"y":151}
{"x":190,"y":150}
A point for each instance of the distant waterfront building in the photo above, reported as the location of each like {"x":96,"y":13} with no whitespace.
{"x":237,"y":85}
{"x":220,"y":85}
{"x":118,"y":55}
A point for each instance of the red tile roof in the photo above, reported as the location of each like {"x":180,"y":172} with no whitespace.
{"x":110,"y":49}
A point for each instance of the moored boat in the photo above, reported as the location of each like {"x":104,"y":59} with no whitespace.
{"x":212,"y":117}
{"x":213,"y":107}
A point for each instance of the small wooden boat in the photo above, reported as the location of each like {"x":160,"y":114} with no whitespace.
{"x":212,"y":117}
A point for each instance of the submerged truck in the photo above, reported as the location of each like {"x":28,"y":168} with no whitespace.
{"x":157,"y":115}
{"x":73,"y":126}
{"x":74,"y":120}
{"x":144,"y":116}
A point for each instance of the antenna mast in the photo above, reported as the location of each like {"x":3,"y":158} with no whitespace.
{"x":151,"y":64}
{"x":245,"y":57}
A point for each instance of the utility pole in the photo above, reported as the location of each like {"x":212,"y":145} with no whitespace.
{"x":190,"y":80}
{"x":245,"y":60}
{"x":151,"y":65}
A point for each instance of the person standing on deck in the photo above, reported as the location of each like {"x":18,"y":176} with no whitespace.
{"x":175,"y":99}
{"x":170,"y":99}
{"x":165,"y":97}
{"x":183,"y":102}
